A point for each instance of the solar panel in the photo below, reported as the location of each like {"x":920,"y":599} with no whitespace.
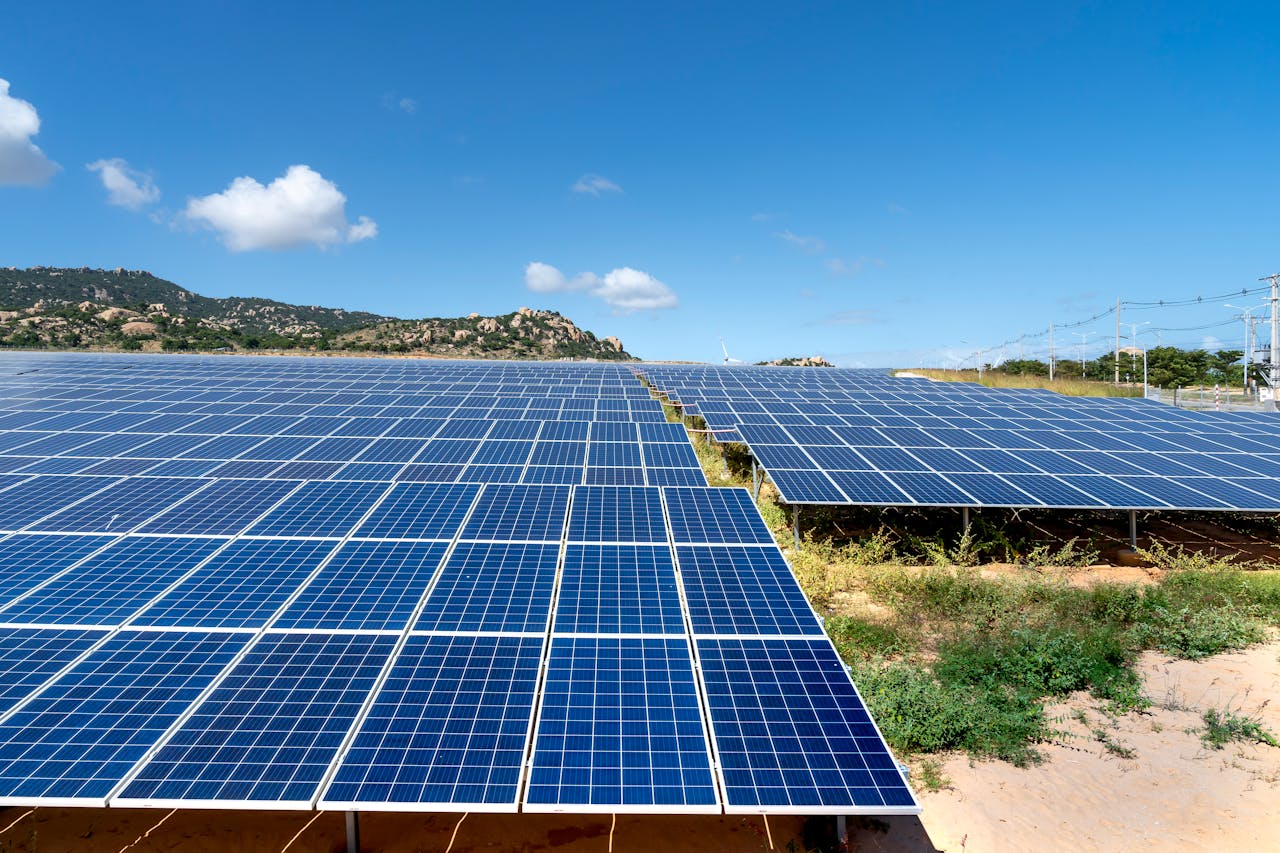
{"x":792,"y":733}
{"x":493,"y":586}
{"x":31,"y":656}
{"x":715,"y":516}
{"x":618,"y":589}
{"x":532,"y":513}
{"x":270,"y":729}
{"x":240,"y":587}
{"x":619,"y":729}
{"x":113,"y":584}
{"x":447,"y":731}
{"x":77,"y":739}
{"x":320,"y":509}
{"x":225,"y":508}
{"x":420,"y":511}
{"x":743,"y":590}
{"x":621,"y":514}
{"x":27,"y":560}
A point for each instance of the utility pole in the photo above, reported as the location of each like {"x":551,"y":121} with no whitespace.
{"x":1020,"y":337}
{"x":1050,"y":352}
{"x":1117,"y":341}
{"x":1274,"y":373}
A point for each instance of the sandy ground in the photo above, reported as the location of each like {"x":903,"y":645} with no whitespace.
{"x":1170,"y":793}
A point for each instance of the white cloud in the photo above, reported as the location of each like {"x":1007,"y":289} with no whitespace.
{"x":21,"y":161}
{"x":126,"y":187}
{"x":594,"y":185}
{"x":839,"y":266}
{"x":624,"y":289}
{"x":300,"y":208}
{"x":808,"y":245}
{"x":899,"y":210}
{"x":408,"y":105}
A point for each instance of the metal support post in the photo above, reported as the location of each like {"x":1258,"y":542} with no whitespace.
{"x":755,"y":486}
{"x":1133,"y":529}
{"x":964,"y":519}
{"x":842,"y":832}
{"x":353,"y":832}
{"x":795,"y":524}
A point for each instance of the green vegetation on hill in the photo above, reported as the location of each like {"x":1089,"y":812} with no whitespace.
{"x":70,"y":308}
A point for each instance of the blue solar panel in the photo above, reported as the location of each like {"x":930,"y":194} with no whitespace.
{"x":806,"y":486}
{"x":792,"y":733}
{"x":77,"y":739}
{"x":28,"y":560}
{"x":618,"y":589}
{"x":743,"y":590}
{"x":622,"y":514}
{"x":519,"y":513}
{"x":29,"y":501}
{"x":447,"y":730}
{"x":122,"y":506}
{"x":493,"y":586}
{"x":715,"y":516}
{"x":112,"y":585}
{"x":620,"y":729}
{"x":30,"y":656}
{"x":929,"y":488}
{"x":552,"y":475}
{"x":241,"y":587}
{"x":559,"y":453}
{"x":224,"y":509}
{"x":420,"y":511}
{"x":320,"y":509}
{"x":369,"y":585}
{"x":271,"y":728}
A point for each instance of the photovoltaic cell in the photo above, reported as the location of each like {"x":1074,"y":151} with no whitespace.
{"x":320,"y":509}
{"x":792,"y":733}
{"x":618,"y":589}
{"x":619,"y":514}
{"x":493,"y":586}
{"x":122,"y":506}
{"x":29,"y":501}
{"x":715,"y":516}
{"x":620,"y":729}
{"x":225,"y":508}
{"x":743,"y":590}
{"x":367,"y":585}
{"x":29,"y":559}
{"x":241,"y":587}
{"x":271,"y":728}
{"x":420,"y":511}
{"x":78,"y":738}
{"x":30,"y":656}
{"x":448,"y":728}
{"x":519,"y":513}
{"x":112,"y":585}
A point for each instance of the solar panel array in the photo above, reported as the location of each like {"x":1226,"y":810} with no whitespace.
{"x":398,"y":585}
{"x":835,"y":436}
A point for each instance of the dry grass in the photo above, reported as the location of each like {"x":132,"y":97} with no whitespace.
{"x":1068,"y":387}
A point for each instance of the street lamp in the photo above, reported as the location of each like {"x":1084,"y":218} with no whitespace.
{"x":1084,"y":336}
{"x":1247,"y":314}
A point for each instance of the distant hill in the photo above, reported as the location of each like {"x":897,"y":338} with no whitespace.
{"x":76,"y":308}
{"x":798,"y":361}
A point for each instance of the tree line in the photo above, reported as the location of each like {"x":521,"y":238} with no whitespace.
{"x":1167,"y":367}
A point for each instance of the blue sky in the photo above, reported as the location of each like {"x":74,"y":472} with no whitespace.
{"x":883,"y":184}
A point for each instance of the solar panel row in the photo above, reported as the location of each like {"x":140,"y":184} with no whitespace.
{"x":380,"y":585}
{"x":862,"y":437}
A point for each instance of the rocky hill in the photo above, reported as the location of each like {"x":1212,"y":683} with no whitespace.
{"x":69,"y":308}
{"x":798,"y":361}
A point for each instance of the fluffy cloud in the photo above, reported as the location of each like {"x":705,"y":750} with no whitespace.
{"x":125,"y":186}
{"x":839,"y":266}
{"x":21,"y":161}
{"x":808,"y":245}
{"x":623,"y":289}
{"x":301,"y":208}
{"x":594,"y":185}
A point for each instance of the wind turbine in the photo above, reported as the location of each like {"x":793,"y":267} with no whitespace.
{"x":728,"y":360}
